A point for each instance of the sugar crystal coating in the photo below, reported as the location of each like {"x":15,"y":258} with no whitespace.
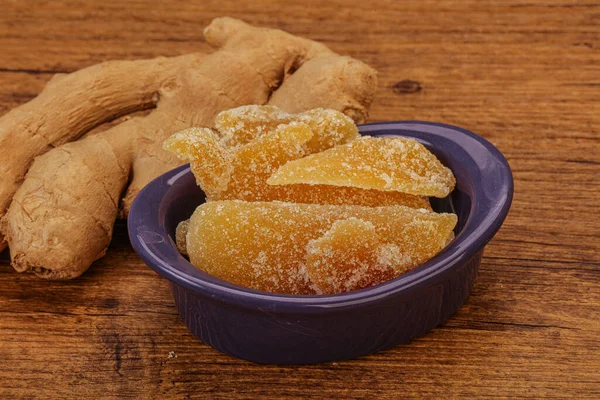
{"x":238,"y":172}
{"x":243,"y":124}
{"x":287,"y":247}
{"x":386,"y":164}
{"x":350,"y":256}
{"x":253,"y":163}
{"x":211,"y":162}
{"x":331,"y":128}
{"x":181,"y":236}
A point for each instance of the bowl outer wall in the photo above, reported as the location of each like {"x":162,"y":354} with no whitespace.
{"x":483,"y":175}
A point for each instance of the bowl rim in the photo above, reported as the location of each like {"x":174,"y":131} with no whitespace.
{"x":485,"y":218}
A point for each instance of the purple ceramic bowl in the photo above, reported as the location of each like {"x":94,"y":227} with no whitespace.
{"x":285,"y":329}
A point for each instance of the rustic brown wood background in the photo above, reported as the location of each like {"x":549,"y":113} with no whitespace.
{"x":524,"y":74}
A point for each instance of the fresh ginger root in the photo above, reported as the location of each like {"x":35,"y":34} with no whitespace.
{"x":58,"y":217}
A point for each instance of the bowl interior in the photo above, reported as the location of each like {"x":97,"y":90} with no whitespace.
{"x":481,"y":201}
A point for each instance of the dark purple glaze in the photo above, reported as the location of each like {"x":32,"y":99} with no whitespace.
{"x":284,"y":329}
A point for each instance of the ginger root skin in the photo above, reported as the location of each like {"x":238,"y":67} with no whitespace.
{"x":72,"y":104}
{"x":58,"y":217}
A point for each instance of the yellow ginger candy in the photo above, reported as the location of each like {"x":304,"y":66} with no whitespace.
{"x":239,"y":172}
{"x":332,"y":126}
{"x":312,"y":248}
{"x":210,"y":162}
{"x":351,"y":256}
{"x":255,"y":162}
{"x":386,"y":164}
{"x":181,"y":236}
{"x":241,"y":125}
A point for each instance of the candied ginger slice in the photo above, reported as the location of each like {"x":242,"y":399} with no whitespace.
{"x":210,"y":162}
{"x":253,"y":163}
{"x":349,"y":257}
{"x":386,"y":164}
{"x":330,"y":127}
{"x":181,"y":235}
{"x":263,"y":245}
{"x":241,"y":125}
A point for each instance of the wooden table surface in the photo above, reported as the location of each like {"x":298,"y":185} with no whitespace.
{"x":523,"y":74}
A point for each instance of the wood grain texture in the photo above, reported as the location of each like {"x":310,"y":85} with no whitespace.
{"x":523,"y":74}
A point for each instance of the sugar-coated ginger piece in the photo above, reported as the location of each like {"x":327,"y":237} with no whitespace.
{"x":386,"y":164}
{"x":243,"y":124}
{"x":264,"y":245}
{"x":180,"y":236}
{"x":253,"y":163}
{"x":240,"y":172}
{"x":330,"y":128}
{"x":210,"y":162}
{"x":351,"y":256}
